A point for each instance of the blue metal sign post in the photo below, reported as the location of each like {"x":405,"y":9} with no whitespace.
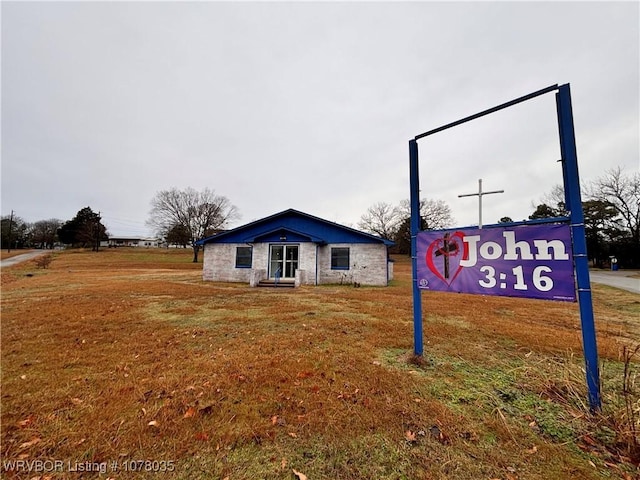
{"x":415,"y":228}
{"x":576,"y":221}
{"x":581,"y":261}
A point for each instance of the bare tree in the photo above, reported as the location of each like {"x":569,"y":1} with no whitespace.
{"x":435,"y":214}
{"x":382,"y":219}
{"x":623,"y":192}
{"x":44,"y":232}
{"x":555,"y":200}
{"x":199,"y":213}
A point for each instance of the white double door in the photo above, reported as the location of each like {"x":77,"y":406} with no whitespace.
{"x":283,"y":261}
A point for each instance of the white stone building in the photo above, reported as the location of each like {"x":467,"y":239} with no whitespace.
{"x":295,"y":248}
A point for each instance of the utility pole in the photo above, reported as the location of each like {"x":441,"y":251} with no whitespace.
{"x":96,"y":230}
{"x":479,"y":195}
{"x":10,"y":225}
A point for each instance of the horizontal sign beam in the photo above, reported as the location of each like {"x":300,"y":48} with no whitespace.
{"x":489,"y":111}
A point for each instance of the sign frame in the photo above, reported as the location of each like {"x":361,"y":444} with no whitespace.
{"x":573,"y":201}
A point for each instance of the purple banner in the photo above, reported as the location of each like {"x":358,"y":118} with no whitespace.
{"x":533,"y":261}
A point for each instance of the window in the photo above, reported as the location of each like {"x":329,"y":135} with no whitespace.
{"x":243,"y":257}
{"x":340,"y":258}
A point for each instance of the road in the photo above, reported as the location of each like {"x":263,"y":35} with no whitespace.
{"x":619,"y":279}
{"x":22,"y":258}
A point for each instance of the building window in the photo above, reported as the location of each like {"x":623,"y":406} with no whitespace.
{"x":243,"y":257}
{"x":340,"y":258}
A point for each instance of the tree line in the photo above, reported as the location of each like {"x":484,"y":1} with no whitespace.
{"x":82,"y":231}
{"x":611,"y":209}
{"x":182,"y":217}
{"x":611,"y":217}
{"x":179,"y":217}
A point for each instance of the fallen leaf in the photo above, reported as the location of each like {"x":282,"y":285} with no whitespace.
{"x":202,"y":436}
{"x":189,"y":413}
{"x":532,"y":450}
{"x":29,"y":444}
{"x":293,"y":434}
{"x":284,"y":463}
{"x":410,"y":436}
{"x":26,"y":422}
{"x":301,"y":476}
{"x":77,"y":401}
{"x":589,"y":440}
{"x":274,"y":420}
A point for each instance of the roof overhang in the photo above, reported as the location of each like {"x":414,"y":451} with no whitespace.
{"x":284,"y":234}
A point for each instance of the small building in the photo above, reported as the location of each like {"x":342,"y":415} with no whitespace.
{"x":295,"y":248}
{"x":130,"y":242}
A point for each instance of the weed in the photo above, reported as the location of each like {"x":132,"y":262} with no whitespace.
{"x":43,"y":261}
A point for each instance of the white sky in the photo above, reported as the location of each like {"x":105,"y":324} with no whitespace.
{"x":306,"y":105}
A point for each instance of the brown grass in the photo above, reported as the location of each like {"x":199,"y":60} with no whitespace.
{"x":127,"y":354}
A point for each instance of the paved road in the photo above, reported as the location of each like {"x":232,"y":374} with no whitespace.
{"x":22,"y":258}
{"x":619,"y":279}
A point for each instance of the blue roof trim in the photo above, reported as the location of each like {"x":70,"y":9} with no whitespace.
{"x":299,"y":223}
{"x":293,"y":236}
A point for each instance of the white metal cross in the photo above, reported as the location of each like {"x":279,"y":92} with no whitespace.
{"x":479,"y":195}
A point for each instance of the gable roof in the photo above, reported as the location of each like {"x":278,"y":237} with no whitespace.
{"x":293,"y":226}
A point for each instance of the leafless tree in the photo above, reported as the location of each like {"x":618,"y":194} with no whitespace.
{"x":44,"y":232}
{"x":555,"y":199}
{"x":435,"y":214}
{"x":623,"y":192}
{"x":200,"y":213}
{"x":382,"y":219}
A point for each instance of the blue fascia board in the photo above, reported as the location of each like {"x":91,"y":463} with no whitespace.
{"x":292,"y":236}
{"x":315,"y":228}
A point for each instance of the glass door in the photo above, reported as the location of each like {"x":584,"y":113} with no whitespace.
{"x":283,"y":261}
{"x":290,"y":261}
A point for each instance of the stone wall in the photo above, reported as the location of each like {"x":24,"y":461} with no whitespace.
{"x":367,"y":264}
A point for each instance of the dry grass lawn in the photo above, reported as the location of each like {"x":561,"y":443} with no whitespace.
{"x":126,"y":363}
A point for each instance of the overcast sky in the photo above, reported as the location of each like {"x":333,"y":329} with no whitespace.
{"x":306,"y":105}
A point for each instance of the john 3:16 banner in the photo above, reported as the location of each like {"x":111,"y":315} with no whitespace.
{"x":533,"y":261}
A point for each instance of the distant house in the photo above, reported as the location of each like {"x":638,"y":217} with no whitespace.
{"x":295,"y":248}
{"x":130,"y":242}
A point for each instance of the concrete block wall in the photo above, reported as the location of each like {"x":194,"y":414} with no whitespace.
{"x":219,"y":264}
{"x":368,"y":264}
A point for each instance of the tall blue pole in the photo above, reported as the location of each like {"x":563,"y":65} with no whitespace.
{"x":574,"y":205}
{"x":414,"y":186}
